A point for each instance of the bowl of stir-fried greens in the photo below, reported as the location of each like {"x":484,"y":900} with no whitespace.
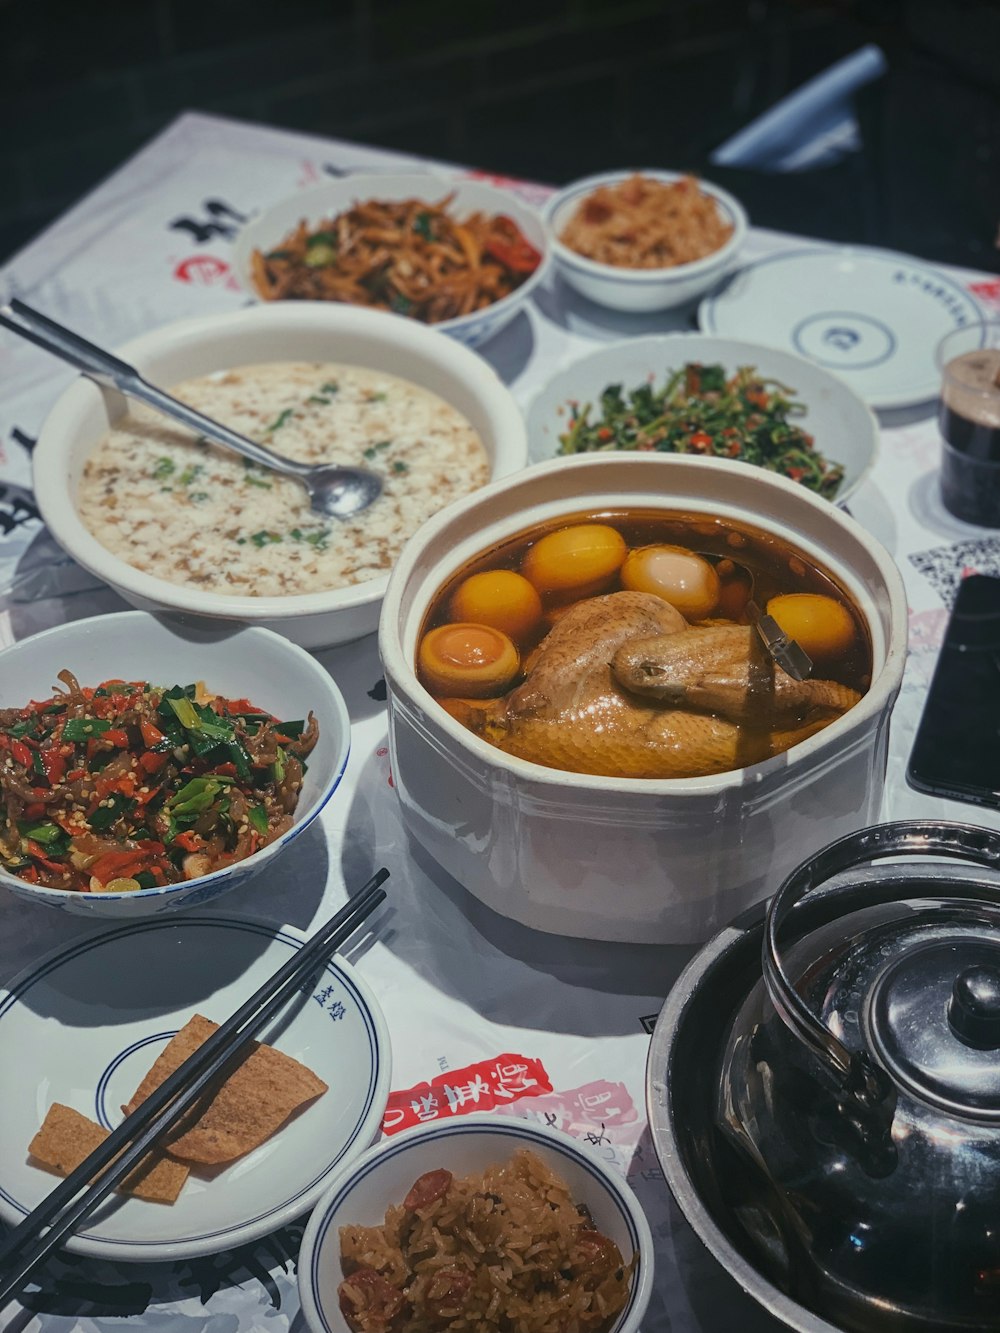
{"x":715,"y":397}
{"x":147,"y":765}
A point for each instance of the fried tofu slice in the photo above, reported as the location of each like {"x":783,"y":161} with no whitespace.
{"x":251,"y":1105}
{"x":67,"y":1137}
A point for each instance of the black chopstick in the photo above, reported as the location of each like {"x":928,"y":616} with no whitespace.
{"x":126,"y":1145}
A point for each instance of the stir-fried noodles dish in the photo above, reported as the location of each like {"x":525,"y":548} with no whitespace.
{"x":409,"y":256}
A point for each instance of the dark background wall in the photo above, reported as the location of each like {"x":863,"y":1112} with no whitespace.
{"x":549,"y":89}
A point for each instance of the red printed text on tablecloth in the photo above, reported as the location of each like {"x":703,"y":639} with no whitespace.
{"x":486,"y":1086}
{"x":988,"y":291}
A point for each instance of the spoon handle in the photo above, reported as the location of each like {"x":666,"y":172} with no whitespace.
{"x":111,"y":372}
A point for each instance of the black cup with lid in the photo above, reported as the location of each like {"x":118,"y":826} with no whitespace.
{"x":824,"y":1086}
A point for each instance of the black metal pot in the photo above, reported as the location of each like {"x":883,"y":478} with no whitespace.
{"x":823,"y":1087}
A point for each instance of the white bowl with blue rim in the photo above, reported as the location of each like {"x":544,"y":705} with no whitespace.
{"x":381,"y":1178}
{"x":844,"y":429}
{"x":82,"y":1026}
{"x":871,"y":316}
{"x":265,"y":231}
{"x":642,"y":289}
{"x":242,"y":662}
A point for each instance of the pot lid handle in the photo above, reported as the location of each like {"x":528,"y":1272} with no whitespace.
{"x":916,"y":837}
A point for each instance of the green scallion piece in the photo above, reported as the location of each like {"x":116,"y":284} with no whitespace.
{"x":84,"y":728}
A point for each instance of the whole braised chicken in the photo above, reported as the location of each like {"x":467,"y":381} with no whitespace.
{"x":623,"y":686}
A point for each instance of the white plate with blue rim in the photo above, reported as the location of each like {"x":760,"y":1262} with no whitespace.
{"x":872,"y":316}
{"x":83,"y":1025}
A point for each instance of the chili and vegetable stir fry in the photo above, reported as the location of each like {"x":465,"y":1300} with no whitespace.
{"x":132,"y":786}
{"x":700,"y":411}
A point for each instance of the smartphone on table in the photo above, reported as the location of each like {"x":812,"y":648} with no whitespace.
{"x":956,"y":752}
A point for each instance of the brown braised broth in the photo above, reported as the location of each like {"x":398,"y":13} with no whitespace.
{"x":635,"y":730}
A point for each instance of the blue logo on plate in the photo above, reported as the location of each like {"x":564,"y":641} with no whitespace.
{"x":844,"y":339}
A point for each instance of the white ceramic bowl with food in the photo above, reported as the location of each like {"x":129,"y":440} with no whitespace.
{"x":651,"y":860}
{"x":238,"y":662}
{"x":638,"y":290}
{"x":382,"y":1177}
{"x":294,"y":332}
{"x":266,"y":231}
{"x":844,"y":428}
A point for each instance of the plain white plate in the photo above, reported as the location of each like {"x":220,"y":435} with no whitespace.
{"x":845,"y":430}
{"x":874,"y":317}
{"x":82,"y":1026}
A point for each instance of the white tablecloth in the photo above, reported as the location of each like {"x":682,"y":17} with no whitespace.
{"x":458,"y":984}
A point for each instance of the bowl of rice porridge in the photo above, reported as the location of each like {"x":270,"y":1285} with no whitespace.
{"x":174,"y":523}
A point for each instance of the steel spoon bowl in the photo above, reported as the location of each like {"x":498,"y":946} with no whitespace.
{"x":335,"y":491}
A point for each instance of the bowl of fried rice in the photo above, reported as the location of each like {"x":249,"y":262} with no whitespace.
{"x":644,"y":240}
{"x":489,"y":1222}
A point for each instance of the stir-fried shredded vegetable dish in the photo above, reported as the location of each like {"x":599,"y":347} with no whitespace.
{"x":700,"y":411}
{"x":411,"y":257}
{"x":132,"y":786}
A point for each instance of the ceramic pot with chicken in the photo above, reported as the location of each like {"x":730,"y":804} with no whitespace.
{"x":587,"y":728}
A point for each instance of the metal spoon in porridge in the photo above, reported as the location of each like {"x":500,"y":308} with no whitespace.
{"x":337,"y":492}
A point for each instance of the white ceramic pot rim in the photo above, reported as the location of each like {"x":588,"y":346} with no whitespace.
{"x":260,"y":858}
{"x":60,"y":514}
{"x":853,"y":725}
{"x":718,"y":259}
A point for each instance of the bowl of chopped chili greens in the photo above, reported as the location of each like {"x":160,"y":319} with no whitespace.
{"x":715,"y":397}
{"x":147,"y":765}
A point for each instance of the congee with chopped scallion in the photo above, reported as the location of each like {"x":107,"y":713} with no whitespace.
{"x":174,"y":506}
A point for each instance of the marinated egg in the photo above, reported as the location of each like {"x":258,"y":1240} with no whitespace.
{"x":467,"y":659}
{"x":822,"y":626}
{"x":580,"y":560}
{"x":685,"y":580}
{"x":500,"y":598}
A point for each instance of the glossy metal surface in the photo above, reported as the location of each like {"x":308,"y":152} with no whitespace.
{"x":337,"y":492}
{"x":866,"y":1201}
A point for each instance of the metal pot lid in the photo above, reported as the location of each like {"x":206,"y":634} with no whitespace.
{"x":830,"y":1127}
{"x":934,"y":1023}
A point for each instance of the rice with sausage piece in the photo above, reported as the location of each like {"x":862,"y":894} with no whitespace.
{"x":507,"y":1251}
{"x":172,"y":505}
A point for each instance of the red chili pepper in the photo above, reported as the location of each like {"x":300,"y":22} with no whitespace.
{"x":21,"y":753}
{"x":225,"y":770}
{"x":35,"y":810}
{"x":75,"y":774}
{"x":37,"y":854}
{"x":151,"y":735}
{"x":241,"y":706}
{"x":605,"y":433}
{"x":117,"y":736}
{"x":119,"y":865}
{"x":152,"y":763}
{"x":189,"y":842}
{"x":512,"y":249}
{"x":54,"y":763}
{"x":144,"y":797}
{"x":124,"y":783}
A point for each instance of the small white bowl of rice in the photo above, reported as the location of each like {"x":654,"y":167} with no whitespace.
{"x":176,"y":524}
{"x":558,"y":1239}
